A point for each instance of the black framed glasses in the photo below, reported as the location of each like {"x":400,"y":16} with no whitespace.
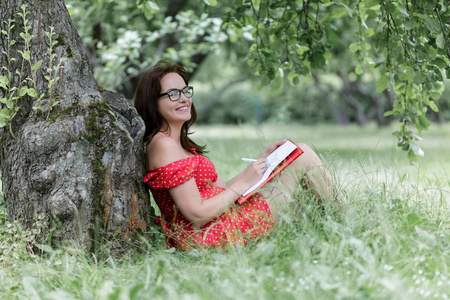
{"x":175,"y":94}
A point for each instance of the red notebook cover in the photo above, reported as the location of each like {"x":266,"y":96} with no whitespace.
{"x":289,"y":159}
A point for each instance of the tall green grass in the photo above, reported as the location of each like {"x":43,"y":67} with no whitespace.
{"x":392,"y":241}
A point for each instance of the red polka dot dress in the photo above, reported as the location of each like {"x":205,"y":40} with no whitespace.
{"x":240,"y":223}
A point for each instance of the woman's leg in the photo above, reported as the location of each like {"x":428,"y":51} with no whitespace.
{"x":307,"y":170}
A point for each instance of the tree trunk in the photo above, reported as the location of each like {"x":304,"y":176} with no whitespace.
{"x":80,"y":166}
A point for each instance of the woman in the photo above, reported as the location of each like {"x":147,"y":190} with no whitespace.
{"x":197,"y":207}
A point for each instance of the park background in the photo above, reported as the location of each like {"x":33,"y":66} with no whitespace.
{"x":392,"y":241}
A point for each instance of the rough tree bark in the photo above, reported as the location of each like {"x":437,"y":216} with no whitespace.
{"x":81,"y":165}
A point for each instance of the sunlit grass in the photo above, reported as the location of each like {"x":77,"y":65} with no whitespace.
{"x":392,"y":241}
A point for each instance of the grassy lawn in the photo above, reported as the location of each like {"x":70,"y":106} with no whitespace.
{"x":392,"y":241}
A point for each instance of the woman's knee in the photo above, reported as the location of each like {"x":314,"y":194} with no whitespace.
{"x":309,"y":158}
{"x":304,"y":147}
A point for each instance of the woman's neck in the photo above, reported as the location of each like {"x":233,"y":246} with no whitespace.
{"x":173,"y":132}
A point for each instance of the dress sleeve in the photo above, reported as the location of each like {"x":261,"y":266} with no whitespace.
{"x":171,"y":175}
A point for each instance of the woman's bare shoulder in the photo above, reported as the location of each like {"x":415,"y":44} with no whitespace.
{"x":161,"y":142}
{"x":161,"y":151}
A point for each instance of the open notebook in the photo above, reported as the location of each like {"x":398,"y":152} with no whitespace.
{"x":276,"y":162}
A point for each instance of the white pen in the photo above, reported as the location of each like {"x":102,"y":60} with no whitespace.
{"x":249,"y":160}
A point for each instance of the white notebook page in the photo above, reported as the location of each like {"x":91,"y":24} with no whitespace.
{"x":273,"y":160}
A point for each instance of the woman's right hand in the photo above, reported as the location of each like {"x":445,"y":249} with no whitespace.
{"x":254,"y":172}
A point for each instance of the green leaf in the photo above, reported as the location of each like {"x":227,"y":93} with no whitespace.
{"x":338,"y":12}
{"x":36,"y":66}
{"x":210,"y":2}
{"x":4,"y":113}
{"x":435,"y":94}
{"x":349,"y":11}
{"x":4,"y":82}
{"x":317,"y":60}
{"x":153,"y":6}
{"x":388,"y":7}
{"x":23,"y":91}
{"x":389,"y":113}
{"x":149,"y":9}
{"x":26,"y":55}
{"x":32,"y":92}
{"x":397,"y":133}
{"x":410,"y":25}
{"x":416,"y":149}
{"x":353,"y":47}
{"x":403,"y":11}
{"x":439,"y":62}
{"x":369,"y":32}
{"x":291,"y":76}
{"x":370,"y":3}
{"x":396,"y":52}
{"x":440,"y":41}
{"x":419,"y":78}
{"x":382,"y":84}
{"x":432,"y":25}
{"x":4,"y":117}
{"x":407,"y":74}
{"x":277,"y":84}
{"x":433,"y":106}
{"x":411,"y":156}
{"x":434,"y":75}
{"x":424,"y":123}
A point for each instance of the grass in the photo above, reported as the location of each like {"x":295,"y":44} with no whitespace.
{"x":392,"y":242}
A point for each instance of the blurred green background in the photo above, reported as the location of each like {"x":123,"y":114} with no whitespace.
{"x":228,"y":89}
{"x":391,"y":243}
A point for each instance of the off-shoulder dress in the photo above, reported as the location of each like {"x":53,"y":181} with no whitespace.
{"x":237,"y":225}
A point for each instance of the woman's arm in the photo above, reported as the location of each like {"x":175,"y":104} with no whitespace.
{"x":189,"y":201}
{"x":187,"y":196}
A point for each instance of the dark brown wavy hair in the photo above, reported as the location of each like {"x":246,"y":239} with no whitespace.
{"x":146,"y":103}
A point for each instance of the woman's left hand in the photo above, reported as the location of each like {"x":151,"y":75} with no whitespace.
{"x":270,"y":149}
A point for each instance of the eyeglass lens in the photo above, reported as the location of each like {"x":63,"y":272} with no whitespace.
{"x":175,"y":95}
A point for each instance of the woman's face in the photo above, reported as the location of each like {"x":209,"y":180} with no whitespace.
{"x":174,"y":111}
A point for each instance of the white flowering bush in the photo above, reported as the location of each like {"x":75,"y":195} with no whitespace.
{"x":125,"y":51}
